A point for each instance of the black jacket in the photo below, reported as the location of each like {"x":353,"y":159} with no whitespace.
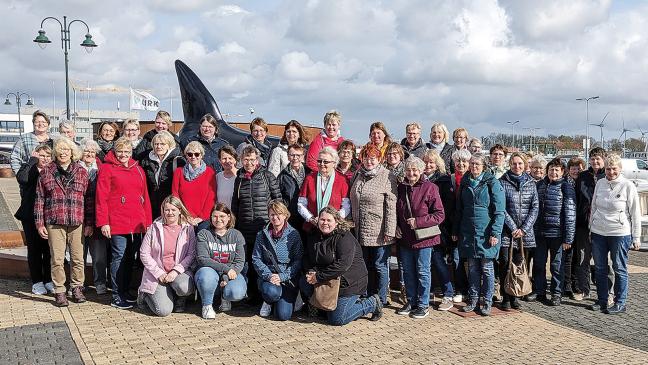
{"x":250,"y":201}
{"x":418,"y":150}
{"x":159,"y":189}
{"x":448,"y":198}
{"x":211,"y":150}
{"x":557,"y":217}
{"x":337,"y":255}
{"x":446,"y":156}
{"x":585,"y":184}
{"x":145,"y":145}
{"x":290,"y":194}
{"x":27,"y":178}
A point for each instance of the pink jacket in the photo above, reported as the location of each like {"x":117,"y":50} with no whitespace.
{"x":151,"y":254}
{"x":316,"y":146}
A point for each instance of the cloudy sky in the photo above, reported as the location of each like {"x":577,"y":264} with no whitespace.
{"x":476,"y":64}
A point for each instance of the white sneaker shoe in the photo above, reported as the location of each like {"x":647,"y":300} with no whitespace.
{"x":266,"y":309}
{"x":39,"y":288}
{"x":299,"y":303}
{"x":457,"y":298}
{"x":101,"y":289}
{"x":208,"y":312}
{"x":50,"y":287}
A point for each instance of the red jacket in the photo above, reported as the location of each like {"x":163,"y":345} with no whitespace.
{"x":198,"y":195}
{"x":57,"y":203}
{"x":316,"y":146}
{"x":309,"y":187}
{"x":122,"y":199}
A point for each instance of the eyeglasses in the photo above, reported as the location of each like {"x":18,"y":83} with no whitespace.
{"x":193,"y":154}
{"x":131,"y":130}
{"x":294,"y":155}
{"x":496,"y":153}
{"x":323,"y":162}
{"x":90,"y":152}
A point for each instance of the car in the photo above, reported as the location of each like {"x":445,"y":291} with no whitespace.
{"x":634,"y":168}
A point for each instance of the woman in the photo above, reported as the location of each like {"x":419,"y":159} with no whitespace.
{"x":277,"y":259}
{"x":159,"y":166}
{"x":461,"y":163}
{"x":413,"y":143}
{"x":394,"y":161}
{"x":24,"y":148}
{"x":225,"y":179}
{"x":479,"y":220}
{"x":348,"y":164}
{"x":439,"y":137}
{"x":208,"y":137}
{"x":419,"y":206}
{"x":220,"y":260}
{"x":575,"y":166}
{"x":290,"y":181}
{"x":475,"y":145}
{"x":329,"y":137}
{"x":254,"y":188}
{"x":59,"y":213}
{"x":537,"y":167}
{"x":332,"y":252}
{"x":323,"y":187}
{"x":106,"y":136}
{"x":131,"y":129}
{"x":257,"y":139}
{"x":379,"y":137}
{"x":293,"y":134}
{"x":555,"y":229}
{"x":498,"y":160}
{"x":373,"y":206}
{"x":123,"y":212}
{"x":162,"y":122}
{"x":615,"y":223}
{"x":521,"y":212}
{"x":168,"y":252}
{"x":195,"y":185}
{"x":38,"y":253}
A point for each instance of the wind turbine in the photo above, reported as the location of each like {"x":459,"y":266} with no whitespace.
{"x":624,"y":133}
{"x":643,"y":139}
{"x":601,"y":125}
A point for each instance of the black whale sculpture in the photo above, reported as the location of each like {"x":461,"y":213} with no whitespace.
{"x":198,"y":101}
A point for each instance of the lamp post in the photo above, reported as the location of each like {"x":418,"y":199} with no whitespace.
{"x":88,"y":44}
{"x":513,"y":130}
{"x":587,"y":100}
{"x":18,"y":96}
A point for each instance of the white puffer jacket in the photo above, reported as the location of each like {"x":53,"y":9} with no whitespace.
{"x":615,"y":209}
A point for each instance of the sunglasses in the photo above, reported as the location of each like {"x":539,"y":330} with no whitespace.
{"x":324,"y":162}
{"x":193,"y":154}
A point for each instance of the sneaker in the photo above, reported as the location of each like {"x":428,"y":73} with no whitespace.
{"x":505,"y":306}
{"x":616,"y":309}
{"x":458,"y":298}
{"x":121,"y":304}
{"x":596,"y":307}
{"x":299,"y":303}
{"x":50,"y":287}
{"x":378,"y":312}
{"x":208,"y":312}
{"x":225,"y":305}
{"x":515,"y":303}
{"x":61,"y":300}
{"x":485,"y":309}
{"x":101,"y":289}
{"x":129,"y":298}
{"x":531,"y":297}
{"x":610,"y":300}
{"x":580,"y":296}
{"x":265,"y":310}
{"x":404,"y":310}
{"x":77,"y":294}
{"x":179,"y":305}
{"x":470,"y":306}
{"x":420,"y":313}
{"x":555,"y":300}
{"x":446,"y":304}
{"x":39,"y":288}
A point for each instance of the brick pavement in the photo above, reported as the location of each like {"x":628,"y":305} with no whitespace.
{"x":106,"y":335}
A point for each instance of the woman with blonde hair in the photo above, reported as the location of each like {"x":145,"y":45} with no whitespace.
{"x":330,"y":137}
{"x":439,"y":137}
{"x":159,"y":165}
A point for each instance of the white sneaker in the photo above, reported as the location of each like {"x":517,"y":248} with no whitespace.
{"x":39,"y":288}
{"x":50,"y":287}
{"x":299,"y":303}
{"x":101,"y":289}
{"x":208,"y":312}
{"x":266,"y":309}
{"x":457,"y":298}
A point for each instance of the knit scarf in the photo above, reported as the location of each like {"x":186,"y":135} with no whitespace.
{"x":191,"y":174}
{"x":516,"y":179}
{"x":105,"y":145}
{"x":476,"y":180}
{"x":369,"y":173}
{"x":437,"y":147}
{"x":298,"y":175}
{"x":323,"y":199}
{"x":398,"y":171}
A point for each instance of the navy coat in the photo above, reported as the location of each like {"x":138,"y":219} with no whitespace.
{"x":557,"y":217}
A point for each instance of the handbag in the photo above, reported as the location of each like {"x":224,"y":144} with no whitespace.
{"x":422,"y":233}
{"x":325,"y":294}
{"x":517,"y":282}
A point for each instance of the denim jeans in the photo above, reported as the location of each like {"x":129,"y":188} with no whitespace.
{"x":459,"y":277}
{"x":98,"y":247}
{"x":553,"y":246}
{"x":350,"y":308}
{"x":208,"y":284}
{"x":124,"y":248}
{"x":281,"y":297}
{"x":481,"y":279}
{"x":617,"y":247}
{"x":377,"y":259}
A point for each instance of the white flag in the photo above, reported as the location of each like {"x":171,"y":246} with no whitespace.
{"x":141,"y":100}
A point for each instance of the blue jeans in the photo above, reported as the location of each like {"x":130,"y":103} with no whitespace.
{"x":349,"y":309}
{"x":618,"y":247}
{"x":481,"y":275}
{"x":552,"y":246}
{"x":208,"y":284}
{"x":281,"y":297}
{"x":459,"y":276}
{"x":124,"y":248}
{"x":98,"y":247}
{"x":377,"y":259}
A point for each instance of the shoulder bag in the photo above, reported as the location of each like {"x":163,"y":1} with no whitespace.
{"x":325,"y":293}
{"x":421,"y":233}
{"x":517,"y":282}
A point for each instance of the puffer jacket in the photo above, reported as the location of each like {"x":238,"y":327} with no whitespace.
{"x":250,"y":202}
{"x":417,"y":150}
{"x":479,"y":216}
{"x":290,"y":189}
{"x":159,"y":176}
{"x":557,"y":215}
{"x":521,"y":208}
{"x":211,"y":150}
{"x":585,"y":184}
{"x":373,"y":206}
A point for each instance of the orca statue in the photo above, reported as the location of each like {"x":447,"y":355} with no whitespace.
{"x":198,"y":101}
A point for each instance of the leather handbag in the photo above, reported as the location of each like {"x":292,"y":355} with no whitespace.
{"x":422,"y":233}
{"x":325,"y":295}
{"x":517,"y":282}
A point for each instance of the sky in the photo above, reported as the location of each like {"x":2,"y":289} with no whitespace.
{"x":474,"y":64}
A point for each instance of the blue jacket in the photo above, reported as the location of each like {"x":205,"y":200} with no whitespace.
{"x":479,"y":215}
{"x":557,"y":218}
{"x":521,"y":208}
{"x":286,"y":251}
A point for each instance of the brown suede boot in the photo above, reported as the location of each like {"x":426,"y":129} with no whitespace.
{"x":61,"y":300}
{"x":77,"y":295}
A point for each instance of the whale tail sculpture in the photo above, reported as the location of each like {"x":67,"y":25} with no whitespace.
{"x":198,"y":101}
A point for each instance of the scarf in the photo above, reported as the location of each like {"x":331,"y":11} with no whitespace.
{"x":437,"y":147}
{"x":323,"y":201}
{"x":298,"y":175}
{"x":65,"y":176}
{"x":105,"y":145}
{"x":369,"y":173}
{"x":516,"y":179}
{"x":476,"y":180}
{"x":398,"y":171}
{"x":190,"y":174}
{"x":264,"y":148}
{"x":248,"y":175}
{"x":92,"y":169}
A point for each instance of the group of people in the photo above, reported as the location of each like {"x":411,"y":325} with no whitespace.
{"x":164,"y":218}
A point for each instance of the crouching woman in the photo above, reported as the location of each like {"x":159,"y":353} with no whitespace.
{"x":168,"y":252}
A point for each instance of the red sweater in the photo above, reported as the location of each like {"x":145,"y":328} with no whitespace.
{"x":309,"y":189}
{"x":198,"y":195}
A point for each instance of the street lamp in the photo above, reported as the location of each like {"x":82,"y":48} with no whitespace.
{"x":513,"y":130}
{"x":87,"y":43}
{"x":586,"y":100}
{"x":18,"y":95}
